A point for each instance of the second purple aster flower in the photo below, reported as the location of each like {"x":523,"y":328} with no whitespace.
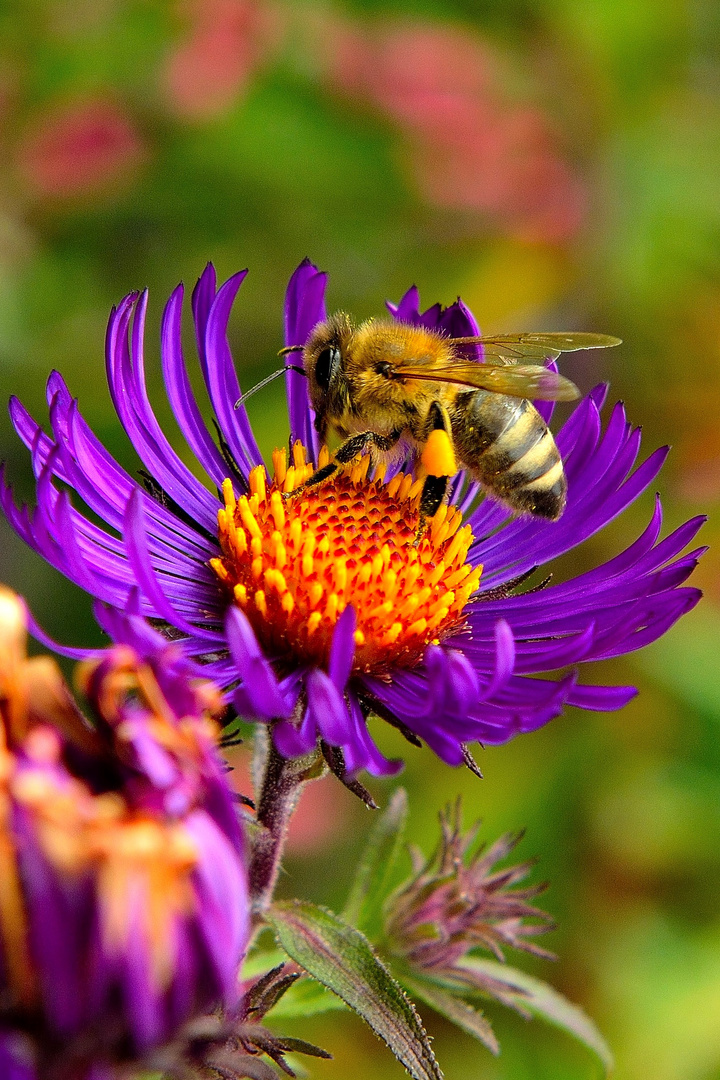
{"x":124,"y":912}
{"x":316,"y":613}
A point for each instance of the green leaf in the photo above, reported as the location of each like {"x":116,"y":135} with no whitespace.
{"x":456,"y":1010}
{"x":538,"y":998}
{"x":373,"y":874}
{"x":342,"y":959}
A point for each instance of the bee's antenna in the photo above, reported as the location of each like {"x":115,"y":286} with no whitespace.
{"x":291,"y":348}
{"x":269,"y":379}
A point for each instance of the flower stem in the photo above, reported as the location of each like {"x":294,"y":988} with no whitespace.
{"x":279,"y":782}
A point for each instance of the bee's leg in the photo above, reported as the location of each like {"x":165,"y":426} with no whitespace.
{"x":432,"y":495}
{"x":350,"y":449}
{"x":438,"y":459}
{"x":356,"y":444}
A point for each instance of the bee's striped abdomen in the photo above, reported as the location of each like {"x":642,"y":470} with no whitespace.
{"x":508,"y":447}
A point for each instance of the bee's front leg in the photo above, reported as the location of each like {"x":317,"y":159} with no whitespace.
{"x":350,"y":449}
{"x":438,"y":459}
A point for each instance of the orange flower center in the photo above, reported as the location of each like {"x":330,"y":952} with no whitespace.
{"x":294,"y":565}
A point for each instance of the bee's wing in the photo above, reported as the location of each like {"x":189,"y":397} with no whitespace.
{"x":518,"y":380}
{"x":538,"y":346}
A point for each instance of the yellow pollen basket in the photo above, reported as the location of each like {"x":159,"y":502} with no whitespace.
{"x":438,"y":456}
{"x":294,"y":565}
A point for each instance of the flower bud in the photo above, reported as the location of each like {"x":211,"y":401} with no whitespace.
{"x":458,"y":901}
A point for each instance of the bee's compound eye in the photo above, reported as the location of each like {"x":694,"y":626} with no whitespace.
{"x":324,"y":366}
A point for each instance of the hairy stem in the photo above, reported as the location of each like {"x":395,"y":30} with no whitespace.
{"x":279,"y":783}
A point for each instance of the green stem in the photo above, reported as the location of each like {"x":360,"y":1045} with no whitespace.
{"x":280,"y":784}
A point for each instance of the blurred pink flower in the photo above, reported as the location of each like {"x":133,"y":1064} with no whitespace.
{"x":227,"y":39}
{"x":79,"y":148}
{"x":320,"y":818}
{"x":471,"y":150}
{"x":409,"y":58}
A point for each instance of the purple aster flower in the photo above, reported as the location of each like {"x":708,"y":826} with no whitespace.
{"x":124,"y":912}
{"x":317,"y":612}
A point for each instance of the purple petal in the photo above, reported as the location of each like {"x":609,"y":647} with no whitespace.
{"x":202,"y":300}
{"x":224,"y":906}
{"x":342,"y":651}
{"x":304,"y":309}
{"x":259,"y":684}
{"x":126,"y":380}
{"x":135,"y":537}
{"x":408,"y":309}
{"x":327,"y":708}
{"x":454,"y":321}
{"x":180,"y":394}
{"x":295,"y":741}
{"x":222,"y":382}
{"x":504,"y":659}
{"x":601,"y":698}
{"x":359,"y":750}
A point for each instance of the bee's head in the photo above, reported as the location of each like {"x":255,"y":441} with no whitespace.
{"x":323,"y":357}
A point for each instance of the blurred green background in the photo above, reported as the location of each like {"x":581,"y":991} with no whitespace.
{"x":556,"y":162}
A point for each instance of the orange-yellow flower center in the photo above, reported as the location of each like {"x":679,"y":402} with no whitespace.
{"x":294,"y":565}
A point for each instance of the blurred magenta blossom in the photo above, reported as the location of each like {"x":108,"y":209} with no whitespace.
{"x":78,"y":148}
{"x":472,"y":149}
{"x":225,"y":41}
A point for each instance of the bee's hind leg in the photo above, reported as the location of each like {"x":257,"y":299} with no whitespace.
{"x":438,"y":459}
{"x":431,"y":497}
{"x":350,"y":449}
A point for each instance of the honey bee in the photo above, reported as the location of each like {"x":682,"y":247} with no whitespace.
{"x":389,"y":387}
